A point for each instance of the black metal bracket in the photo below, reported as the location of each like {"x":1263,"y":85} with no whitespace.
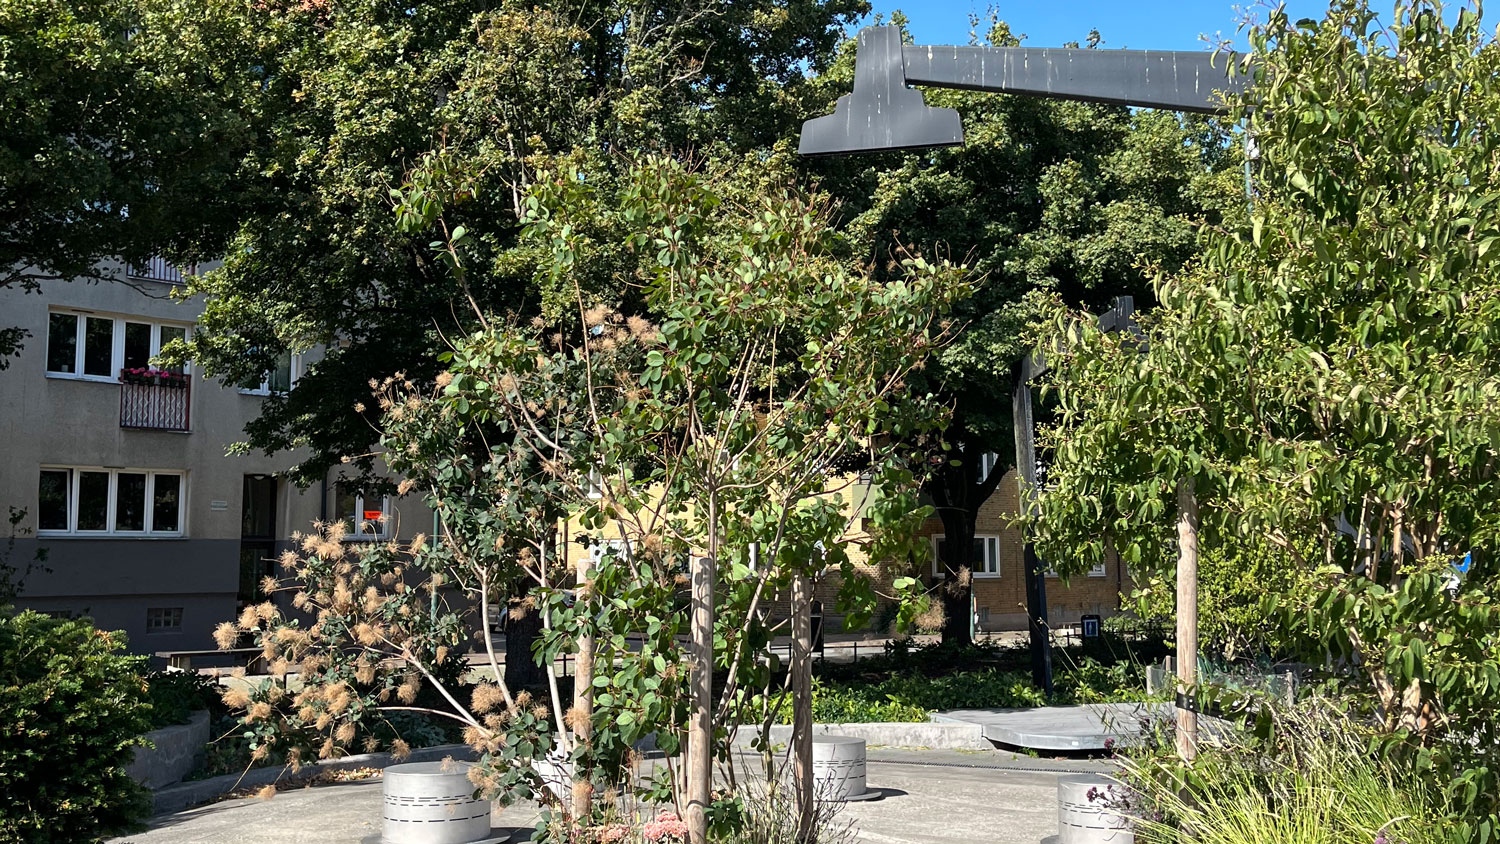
{"x":882,"y":113}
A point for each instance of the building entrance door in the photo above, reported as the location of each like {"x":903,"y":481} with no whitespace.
{"x":257,"y":537}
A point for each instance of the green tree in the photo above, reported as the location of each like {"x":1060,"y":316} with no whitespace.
{"x":460,"y":96}
{"x":1325,"y":379}
{"x":1047,"y":199}
{"x":699,"y":450}
{"x":122,"y":121}
{"x":72,"y":711}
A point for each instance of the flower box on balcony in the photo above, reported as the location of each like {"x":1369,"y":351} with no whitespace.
{"x":148,"y":377}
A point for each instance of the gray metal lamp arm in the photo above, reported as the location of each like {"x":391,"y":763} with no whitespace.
{"x":882,"y":113}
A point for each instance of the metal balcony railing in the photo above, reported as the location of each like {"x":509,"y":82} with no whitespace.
{"x":158,"y":269}
{"x":154,"y":400}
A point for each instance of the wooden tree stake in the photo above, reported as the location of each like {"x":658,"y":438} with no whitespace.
{"x":1187,"y":618}
{"x":802,"y":714}
{"x":583,"y":688}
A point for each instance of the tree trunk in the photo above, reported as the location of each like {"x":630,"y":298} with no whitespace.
{"x":957,"y":593}
{"x":583,"y":690}
{"x":522,"y":627}
{"x":802,"y":714}
{"x":1187,"y":618}
{"x":701,"y":677}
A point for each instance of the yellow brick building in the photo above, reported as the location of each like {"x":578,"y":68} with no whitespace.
{"x":999,"y":582}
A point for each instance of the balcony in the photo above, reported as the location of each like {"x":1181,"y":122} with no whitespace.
{"x":154,"y":399}
{"x":157,"y":269}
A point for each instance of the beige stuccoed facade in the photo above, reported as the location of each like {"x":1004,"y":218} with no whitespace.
{"x":154,"y":531}
{"x":999,"y":583}
{"x":181,"y":559}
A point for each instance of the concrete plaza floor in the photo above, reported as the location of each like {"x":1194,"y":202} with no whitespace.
{"x":931,"y":797}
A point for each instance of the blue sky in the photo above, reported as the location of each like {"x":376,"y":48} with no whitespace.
{"x":1133,"y":24}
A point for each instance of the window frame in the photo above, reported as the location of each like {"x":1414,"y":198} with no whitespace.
{"x":111,"y":508}
{"x":1101,"y":570}
{"x":987,"y":463}
{"x":355,"y":534}
{"x":991,"y":546}
{"x":294,"y":374}
{"x":116,"y":343}
{"x":181,"y":613}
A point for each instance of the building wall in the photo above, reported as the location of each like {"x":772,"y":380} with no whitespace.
{"x":49,"y":420}
{"x":1000,"y":598}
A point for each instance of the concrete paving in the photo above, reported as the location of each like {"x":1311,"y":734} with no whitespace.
{"x":929,"y":797}
{"x":335,"y":813}
{"x":1067,"y":729}
{"x":929,"y":805}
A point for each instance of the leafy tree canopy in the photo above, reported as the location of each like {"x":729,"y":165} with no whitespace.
{"x":1327,"y":376}
{"x":465,"y":99}
{"x":1047,"y":200}
{"x":122,"y":121}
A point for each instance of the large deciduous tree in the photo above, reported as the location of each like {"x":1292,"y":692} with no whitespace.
{"x":458,"y":96}
{"x":122,"y":123}
{"x":1326,"y":380}
{"x":1047,"y":199}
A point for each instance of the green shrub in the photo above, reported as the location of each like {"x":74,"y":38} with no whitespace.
{"x":176,"y":695}
{"x":72,"y":709}
{"x":1305,"y":775}
{"x":1092,"y":681}
{"x":910,"y":696}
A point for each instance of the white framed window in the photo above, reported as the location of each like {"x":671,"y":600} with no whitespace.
{"x":618,"y":548}
{"x":95,"y":347}
{"x":95,"y":501}
{"x":987,"y":465}
{"x":1096,"y":571}
{"x":596,"y":484}
{"x":164,"y":620}
{"x":364,"y":517}
{"x":281,"y":379}
{"x":984,"y":561}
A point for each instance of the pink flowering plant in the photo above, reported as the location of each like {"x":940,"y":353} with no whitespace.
{"x":666,"y":827}
{"x":151,"y":376}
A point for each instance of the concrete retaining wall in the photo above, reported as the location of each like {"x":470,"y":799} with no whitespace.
{"x":177,"y":749}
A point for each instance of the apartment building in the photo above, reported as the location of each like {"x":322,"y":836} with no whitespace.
{"x":999,"y":573}
{"x":122,"y":470}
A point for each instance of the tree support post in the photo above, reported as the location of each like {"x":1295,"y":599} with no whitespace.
{"x":583,"y":690}
{"x":1187,"y":619}
{"x":701,"y":688}
{"x":802,"y":715}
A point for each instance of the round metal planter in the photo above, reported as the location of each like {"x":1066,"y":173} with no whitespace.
{"x":1088,"y":811}
{"x":839,"y":769}
{"x":433,"y":803}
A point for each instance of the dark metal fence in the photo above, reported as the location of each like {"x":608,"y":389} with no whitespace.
{"x":155,"y":406}
{"x":157,"y":269}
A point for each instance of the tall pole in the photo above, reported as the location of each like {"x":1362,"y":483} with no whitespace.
{"x":701,"y":683}
{"x":583,"y":686}
{"x":1036,"y":575}
{"x":1187,"y":619}
{"x":802,"y":716}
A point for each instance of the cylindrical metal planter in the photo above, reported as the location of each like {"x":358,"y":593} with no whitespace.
{"x":433,"y":803}
{"x":839,"y":769}
{"x":1089,"y":811}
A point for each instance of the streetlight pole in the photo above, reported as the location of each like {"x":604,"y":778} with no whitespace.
{"x":883,"y":114}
